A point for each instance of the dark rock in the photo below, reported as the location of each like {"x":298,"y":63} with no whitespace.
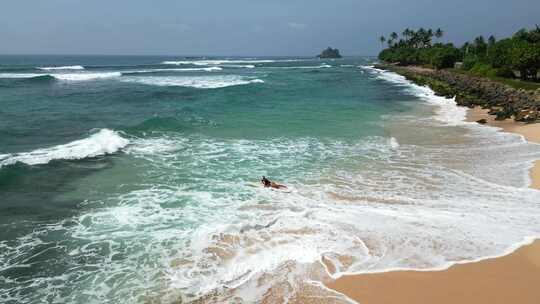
{"x":330,"y":53}
{"x":470,"y":91}
{"x":482,"y":121}
{"x":527,"y":115}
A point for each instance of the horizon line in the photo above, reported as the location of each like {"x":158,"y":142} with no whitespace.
{"x":167,"y":55}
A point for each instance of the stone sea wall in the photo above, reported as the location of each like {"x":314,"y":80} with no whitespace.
{"x":470,"y":91}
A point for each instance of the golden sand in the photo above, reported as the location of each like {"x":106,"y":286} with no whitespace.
{"x":514,"y":278}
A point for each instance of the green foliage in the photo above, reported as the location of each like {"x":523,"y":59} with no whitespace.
{"x":415,"y":47}
{"x":481,"y":69}
{"x":525,"y":58}
{"x":444,"y":57}
{"x":469,"y":61}
{"x":499,"y":53}
{"x":504,"y":72}
{"x":490,"y":58}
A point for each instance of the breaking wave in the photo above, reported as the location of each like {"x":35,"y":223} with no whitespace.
{"x":21,"y":75}
{"x":70,"y":67}
{"x":103,"y":142}
{"x":228,"y":61}
{"x":322,"y":66}
{"x":199,"y":82}
{"x":447,"y":110}
{"x":64,"y":76}
{"x":209,"y":69}
{"x":86,"y":76}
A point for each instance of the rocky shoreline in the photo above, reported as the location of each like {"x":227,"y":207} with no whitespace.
{"x":502,"y":100}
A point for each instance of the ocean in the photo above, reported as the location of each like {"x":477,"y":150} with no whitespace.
{"x":130,"y":179}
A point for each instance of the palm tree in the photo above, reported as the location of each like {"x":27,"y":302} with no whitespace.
{"x":382,"y":39}
{"x":429,"y":36}
{"x":394,"y":35}
{"x":439,"y":33}
{"x":420,"y":37}
{"x":480,"y":45}
{"x":406,"y":33}
{"x":491,"y":40}
{"x":466,"y":47}
{"x":479,"y":40}
{"x":491,"y":43}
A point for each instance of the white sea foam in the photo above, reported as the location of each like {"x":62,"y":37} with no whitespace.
{"x":20,"y":75}
{"x":103,"y":142}
{"x":199,"y":82}
{"x":447,"y":109}
{"x":228,"y":61}
{"x":65,"y":76}
{"x":427,"y":230}
{"x":322,"y":66}
{"x":366,"y":205}
{"x":246,"y":66}
{"x":70,"y":67}
{"x":209,"y":69}
{"x":85,"y":76}
{"x":193,"y":234}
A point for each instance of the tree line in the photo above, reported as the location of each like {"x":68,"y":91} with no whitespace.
{"x":489,"y":57}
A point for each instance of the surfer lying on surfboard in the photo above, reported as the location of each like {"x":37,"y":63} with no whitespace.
{"x":268,"y":184}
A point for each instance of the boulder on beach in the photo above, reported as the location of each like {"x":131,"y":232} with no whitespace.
{"x":482,"y":121}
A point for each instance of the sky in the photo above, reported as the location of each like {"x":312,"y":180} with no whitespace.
{"x":244,"y":27}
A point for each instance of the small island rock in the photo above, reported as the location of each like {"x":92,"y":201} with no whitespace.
{"x":330,"y":53}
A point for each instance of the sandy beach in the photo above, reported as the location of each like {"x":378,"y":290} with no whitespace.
{"x":513,"y":278}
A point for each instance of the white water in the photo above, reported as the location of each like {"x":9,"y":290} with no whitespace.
{"x":103,"y":142}
{"x":65,"y":76}
{"x":71,"y":67}
{"x":199,"y":82}
{"x":20,"y":75}
{"x":322,"y":66}
{"x":370,"y":205}
{"x":209,"y":69}
{"x":447,"y":112}
{"x":86,"y":76}
{"x":403,"y":211}
{"x":228,"y":61}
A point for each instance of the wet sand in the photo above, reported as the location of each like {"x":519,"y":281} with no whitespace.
{"x":531,"y":132}
{"x":514,"y":278}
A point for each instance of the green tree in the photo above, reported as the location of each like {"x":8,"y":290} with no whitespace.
{"x":394,"y":36}
{"x":492,"y":40}
{"x":499,"y":53}
{"x":382,"y":39}
{"x":525,"y":57}
{"x":445,"y":57}
{"x":480,"y":46}
{"x":439,"y":33}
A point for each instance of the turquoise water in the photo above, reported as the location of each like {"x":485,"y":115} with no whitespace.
{"x":134,"y":179}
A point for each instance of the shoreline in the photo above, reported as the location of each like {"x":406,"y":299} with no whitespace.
{"x":510,"y":278}
{"x":530,"y":132}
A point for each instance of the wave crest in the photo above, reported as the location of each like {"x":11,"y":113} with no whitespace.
{"x":199,"y":82}
{"x":101,"y":143}
{"x":85,"y":76}
{"x":69,"y":67}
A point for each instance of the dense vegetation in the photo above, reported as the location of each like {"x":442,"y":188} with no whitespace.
{"x":517,"y":55}
{"x":330,"y":53}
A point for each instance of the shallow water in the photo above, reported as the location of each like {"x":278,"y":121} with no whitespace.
{"x":131,"y":179}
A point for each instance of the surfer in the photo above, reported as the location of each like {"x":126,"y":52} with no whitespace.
{"x":269,"y":184}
